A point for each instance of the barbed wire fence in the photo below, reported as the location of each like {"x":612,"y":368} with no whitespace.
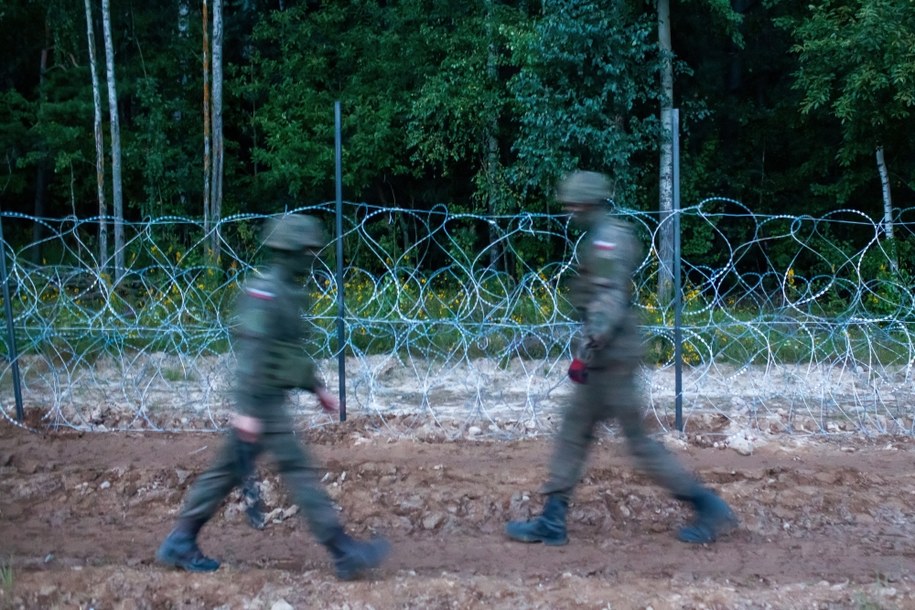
{"x":458,"y":321}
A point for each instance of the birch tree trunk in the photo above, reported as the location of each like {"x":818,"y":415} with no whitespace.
{"x":492,"y":143}
{"x":665,"y":187}
{"x":887,"y":196}
{"x":887,"y":204}
{"x":116,"y":190}
{"x":218,"y":149}
{"x":207,"y":213}
{"x":99,"y":144}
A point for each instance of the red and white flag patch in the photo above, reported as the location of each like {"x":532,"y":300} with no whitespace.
{"x":604,"y":246}
{"x":261,"y":294}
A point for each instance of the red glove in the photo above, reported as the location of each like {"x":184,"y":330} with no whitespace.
{"x":328,"y":402}
{"x":578,"y":371}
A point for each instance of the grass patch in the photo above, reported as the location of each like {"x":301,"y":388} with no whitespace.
{"x":7,"y":580}
{"x":443,"y":315}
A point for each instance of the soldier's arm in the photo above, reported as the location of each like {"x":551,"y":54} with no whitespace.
{"x":613,"y":256}
{"x":252,"y":340}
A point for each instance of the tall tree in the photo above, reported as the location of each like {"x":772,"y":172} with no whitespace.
{"x":42,"y":163}
{"x":587,"y":73}
{"x":491,"y":166}
{"x":117,"y":194}
{"x":460,"y":120}
{"x":368,"y":55}
{"x":217,"y":172}
{"x":99,"y":142}
{"x":207,"y":129}
{"x":665,"y":184}
{"x":857,"y":65}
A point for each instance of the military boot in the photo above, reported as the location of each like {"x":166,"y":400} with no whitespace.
{"x":549,"y":528}
{"x":714,"y":518}
{"x":353,"y":557}
{"x":179,"y":549}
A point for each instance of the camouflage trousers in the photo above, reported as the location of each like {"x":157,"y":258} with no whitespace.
{"x":611,"y":393}
{"x":296,"y":467}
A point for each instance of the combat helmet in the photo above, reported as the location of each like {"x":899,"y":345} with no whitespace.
{"x":584,"y":188}
{"x":293,"y":233}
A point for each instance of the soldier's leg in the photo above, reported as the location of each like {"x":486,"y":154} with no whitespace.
{"x":574,"y":440}
{"x":570,"y":453}
{"x":206,"y":495}
{"x":713,"y":516}
{"x":299,"y":472}
{"x":651,"y":455}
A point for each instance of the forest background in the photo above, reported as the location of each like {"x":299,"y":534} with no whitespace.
{"x":136,"y":111}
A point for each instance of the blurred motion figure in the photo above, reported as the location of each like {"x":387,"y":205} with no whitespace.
{"x":604,"y":370}
{"x":269,"y":340}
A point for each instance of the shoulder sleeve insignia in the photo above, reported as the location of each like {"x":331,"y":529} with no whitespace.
{"x":604,"y":246}
{"x":263,"y":295}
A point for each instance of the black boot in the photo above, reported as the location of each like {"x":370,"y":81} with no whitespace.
{"x":714,"y":518}
{"x":352,"y":557}
{"x":549,"y":528}
{"x":179,"y":549}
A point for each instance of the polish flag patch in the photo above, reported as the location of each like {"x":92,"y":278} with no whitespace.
{"x":261,"y":294}
{"x":604,"y":246}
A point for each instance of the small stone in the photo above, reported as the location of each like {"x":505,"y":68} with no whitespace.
{"x":432,"y":520}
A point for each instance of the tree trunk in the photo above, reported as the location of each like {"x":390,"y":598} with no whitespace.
{"x":665,"y":235}
{"x":99,"y":144}
{"x":41,"y":169}
{"x":41,"y":183}
{"x":887,"y":197}
{"x":184,"y":28}
{"x":887,"y":203}
{"x":218,"y":149}
{"x":492,"y":143}
{"x":207,"y":213}
{"x":116,"y":190}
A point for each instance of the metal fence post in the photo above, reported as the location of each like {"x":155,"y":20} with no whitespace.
{"x":678,"y":288}
{"x":341,"y":334}
{"x":10,"y":331}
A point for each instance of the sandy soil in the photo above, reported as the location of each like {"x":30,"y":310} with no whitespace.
{"x":825,"y":524}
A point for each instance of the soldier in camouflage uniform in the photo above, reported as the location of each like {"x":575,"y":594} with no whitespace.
{"x":604,"y":369}
{"x":270,"y":344}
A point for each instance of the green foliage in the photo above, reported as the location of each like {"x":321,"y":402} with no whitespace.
{"x":305,"y":59}
{"x":856,"y":76}
{"x":7,"y":579}
{"x":476,"y":105}
{"x":16,"y":116}
{"x":857,"y":63}
{"x":459,"y":120}
{"x":586,"y":71}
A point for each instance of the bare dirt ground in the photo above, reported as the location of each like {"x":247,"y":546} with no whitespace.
{"x":824,"y":524}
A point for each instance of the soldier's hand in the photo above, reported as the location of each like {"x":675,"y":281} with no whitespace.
{"x":248,"y":428}
{"x":578,"y":371}
{"x":329,"y":404}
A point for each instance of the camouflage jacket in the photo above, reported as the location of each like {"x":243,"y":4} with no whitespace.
{"x":607,"y":256}
{"x":269,"y":338}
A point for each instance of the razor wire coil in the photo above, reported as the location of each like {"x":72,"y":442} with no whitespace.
{"x":789,"y":323}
